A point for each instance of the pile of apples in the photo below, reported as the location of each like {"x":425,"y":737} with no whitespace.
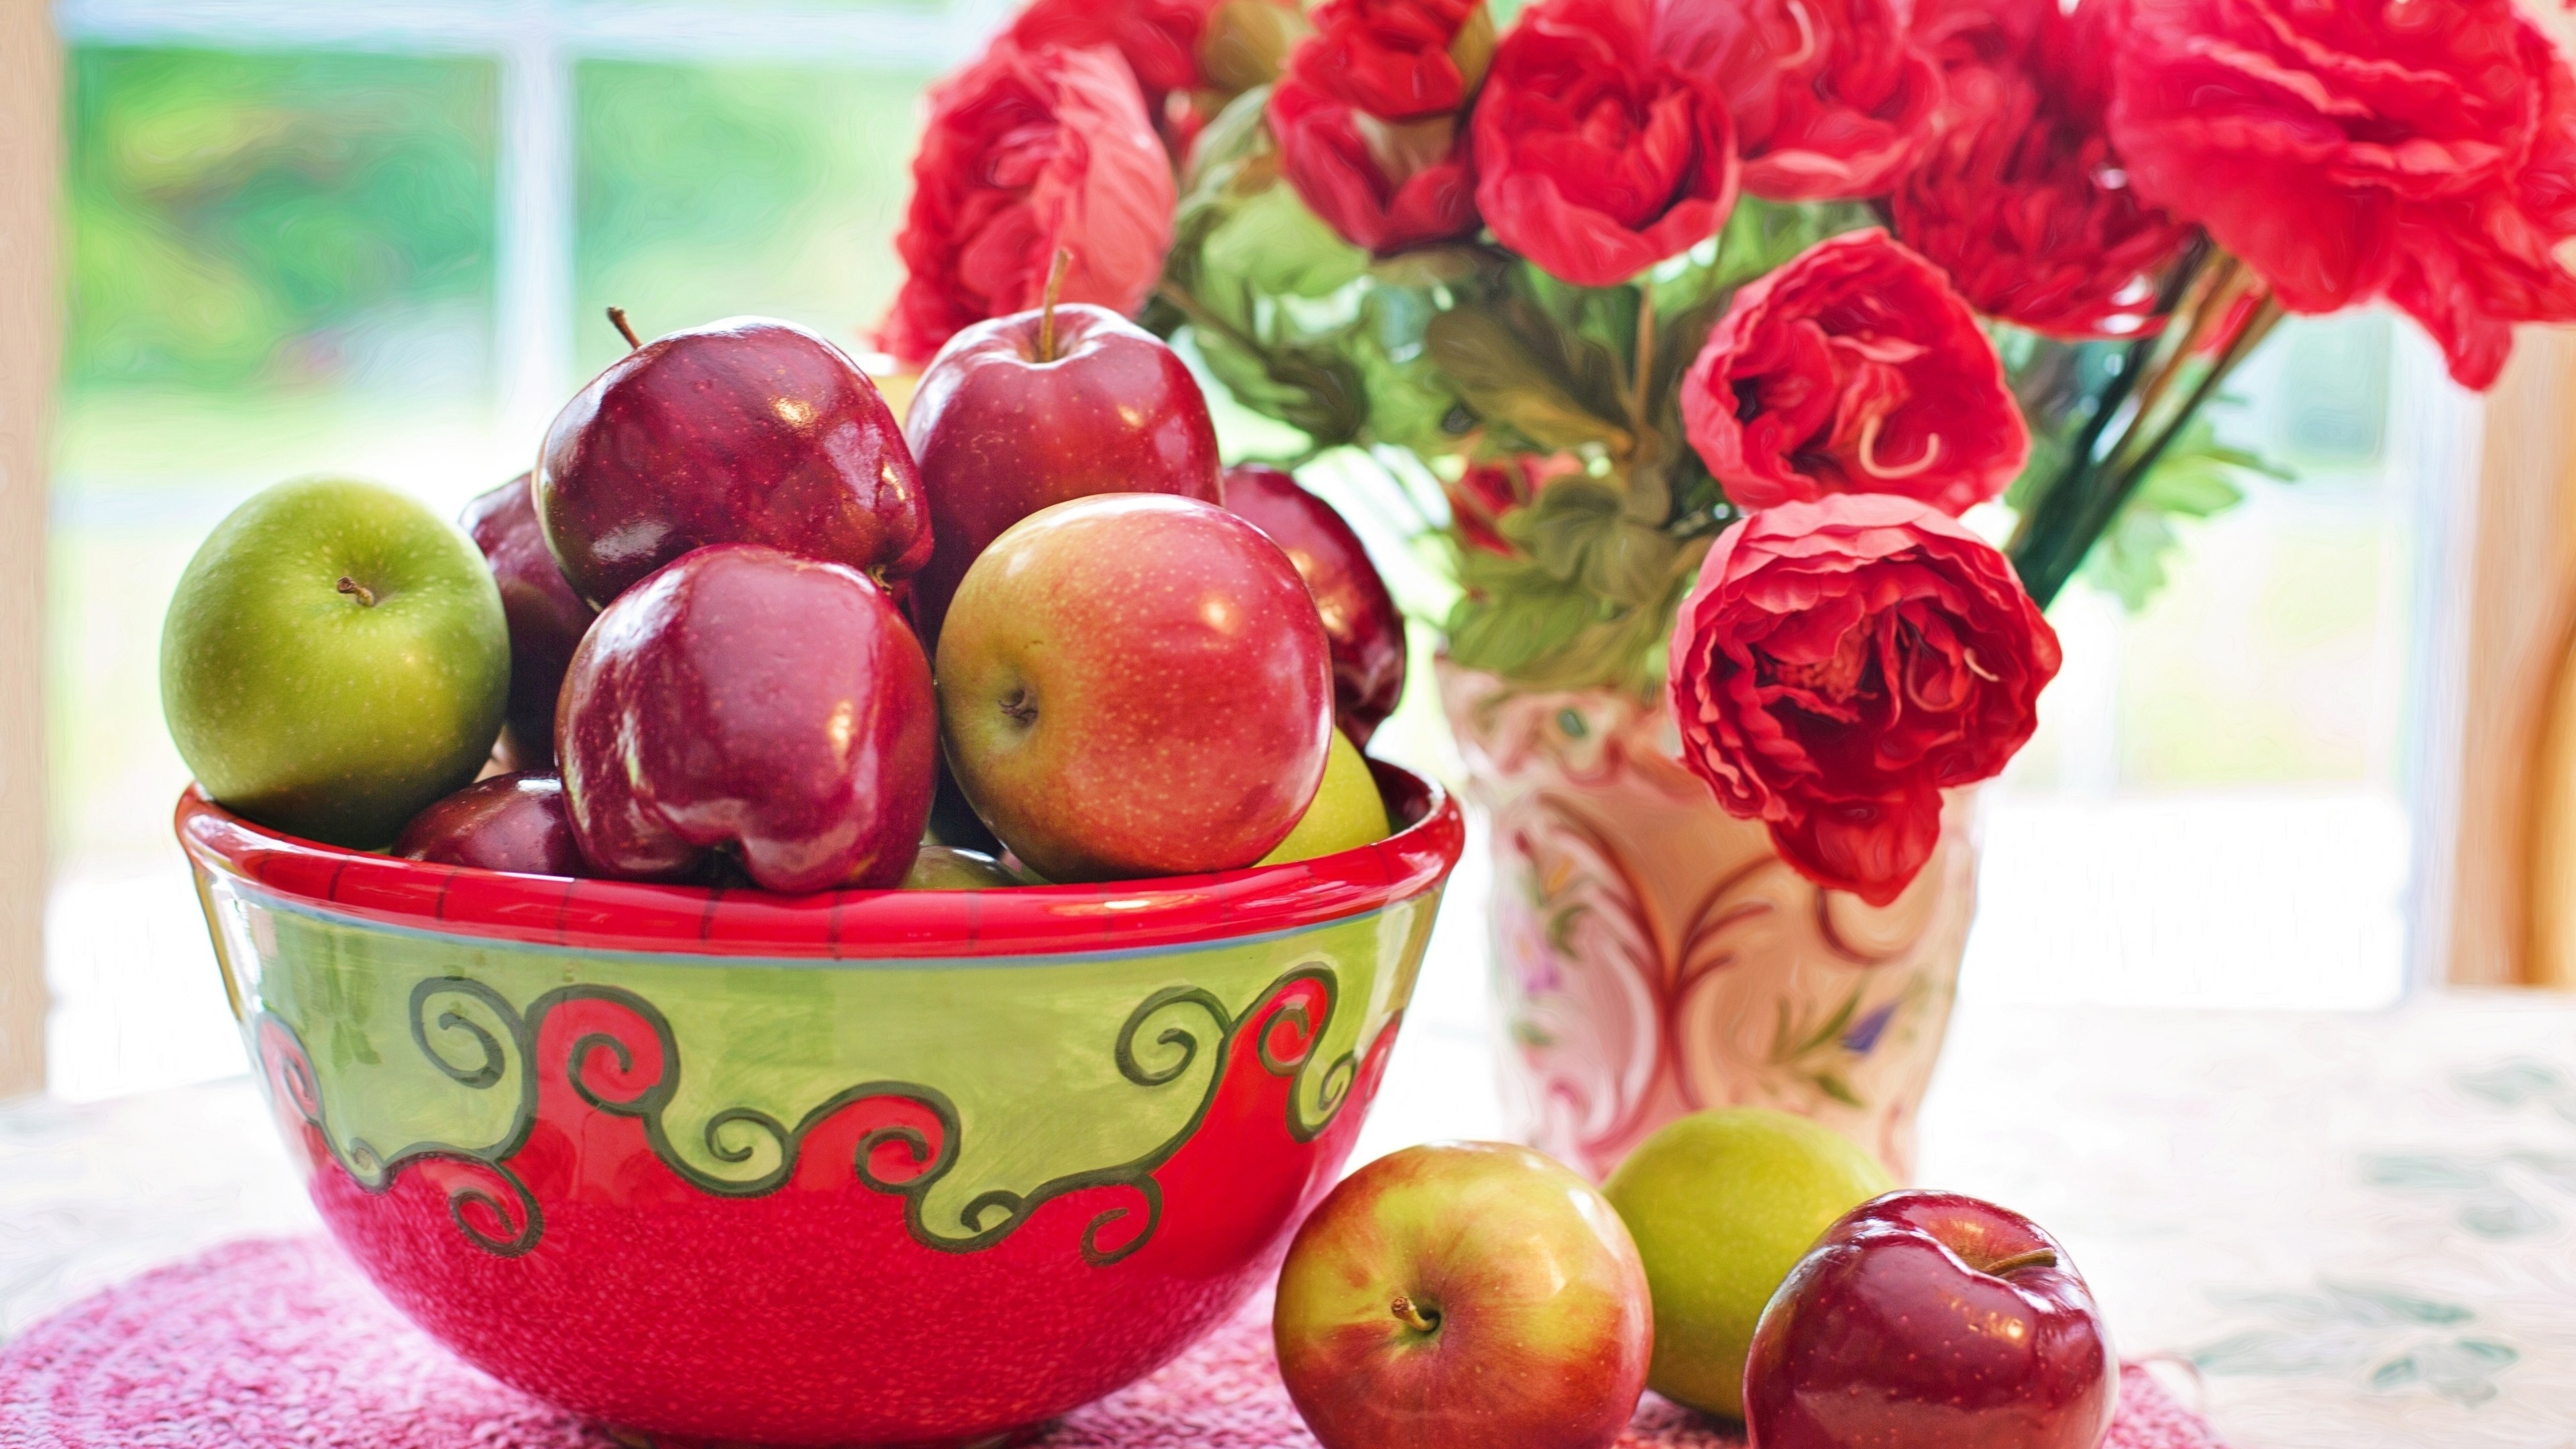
{"x":699,"y":636}
{"x":1741,"y":1261}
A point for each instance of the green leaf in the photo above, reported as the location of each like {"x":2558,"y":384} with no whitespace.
{"x":1579,"y":530}
{"x":1516,"y":368}
{"x":1832,"y":1085}
{"x":1315,"y":390}
{"x":2198,"y":478}
{"x":1270,"y":243}
{"x":1518,"y":618}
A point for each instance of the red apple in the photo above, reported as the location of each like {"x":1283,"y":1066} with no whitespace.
{"x":1135,"y":685}
{"x":750,"y":704}
{"x":1003,"y":428}
{"x":1360,"y":620}
{"x":1927,"y":1320}
{"x":745,"y":431}
{"x":508,"y":822}
{"x":547,"y":619}
{"x":1464,"y":1295}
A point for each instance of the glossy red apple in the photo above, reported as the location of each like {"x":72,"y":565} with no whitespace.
{"x":1003,"y":427}
{"x":547,"y":619}
{"x":749,"y":704}
{"x":1135,"y":685}
{"x":1360,"y":619}
{"x":744,"y":431}
{"x":508,"y":822}
{"x":1927,"y":1320}
{"x":1464,"y":1295}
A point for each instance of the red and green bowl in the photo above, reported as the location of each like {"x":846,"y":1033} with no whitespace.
{"x":863,"y":1168}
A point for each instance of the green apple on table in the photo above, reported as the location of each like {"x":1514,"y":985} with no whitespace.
{"x":1346,"y":813}
{"x":335,"y":659}
{"x":1722,"y":1205}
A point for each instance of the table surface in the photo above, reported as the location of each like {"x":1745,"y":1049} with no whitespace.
{"x":2354,"y":1229}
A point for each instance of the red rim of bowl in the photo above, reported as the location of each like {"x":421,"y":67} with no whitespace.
{"x":608,"y":915}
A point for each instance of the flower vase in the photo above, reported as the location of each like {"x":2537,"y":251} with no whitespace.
{"x":1653,"y":955}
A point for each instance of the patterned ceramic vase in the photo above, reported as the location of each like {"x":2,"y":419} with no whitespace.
{"x":858,"y":1168}
{"x":1653,"y":955}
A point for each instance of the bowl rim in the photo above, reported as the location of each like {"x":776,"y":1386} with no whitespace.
{"x":844,"y":926}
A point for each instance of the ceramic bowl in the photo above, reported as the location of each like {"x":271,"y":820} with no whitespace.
{"x":859,"y":1168}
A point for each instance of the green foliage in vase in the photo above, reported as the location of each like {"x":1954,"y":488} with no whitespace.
{"x":2197,"y":479}
{"x":1465,"y":356}
{"x":2064,"y":389}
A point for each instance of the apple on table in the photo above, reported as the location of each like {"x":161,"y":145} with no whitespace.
{"x":1925,"y":1320}
{"x":1463,"y":1295}
{"x":1723,"y":1203}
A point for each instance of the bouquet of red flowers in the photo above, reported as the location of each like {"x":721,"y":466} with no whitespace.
{"x":1694,"y":326}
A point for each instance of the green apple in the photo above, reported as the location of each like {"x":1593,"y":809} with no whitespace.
{"x":948,"y":868}
{"x":1722,"y":1205}
{"x":1346,"y":813}
{"x":334,"y":660}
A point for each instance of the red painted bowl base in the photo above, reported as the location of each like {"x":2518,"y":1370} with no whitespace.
{"x":811,"y":1315}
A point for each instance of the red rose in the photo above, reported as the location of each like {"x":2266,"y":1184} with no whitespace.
{"x":1830,"y":98}
{"x":1839,"y":664}
{"x":1027,"y":151}
{"x":1397,"y":60}
{"x":2022,"y":201}
{"x":1381,"y":186}
{"x":2418,"y":150}
{"x":1483,"y":494}
{"x":1853,"y":369}
{"x":1595,"y":158}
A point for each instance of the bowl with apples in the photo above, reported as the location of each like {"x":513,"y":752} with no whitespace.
{"x":796,"y":929}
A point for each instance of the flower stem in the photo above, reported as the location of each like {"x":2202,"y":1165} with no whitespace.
{"x":2210,"y":291}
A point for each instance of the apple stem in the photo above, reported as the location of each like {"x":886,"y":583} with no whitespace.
{"x":1046,"y":309}
{"x":366,"y":597}
{"x":2035,"y":1258}
{"x":617,"y":319}
{"x":1418,"y":1317}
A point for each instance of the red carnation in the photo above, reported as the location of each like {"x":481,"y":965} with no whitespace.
{"x":1853,"y":369}
{"x":1397,"y":60}
{"x":2022,"y":201}
{"x":1381,"y":186}
{"x":1596,"y":158}
{"x":1831,"y":99}
{"x":2420,"y":150}
{"x":1025,"y":152}
{"x":1839,"y":664}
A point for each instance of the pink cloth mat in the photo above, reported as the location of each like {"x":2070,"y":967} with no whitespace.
{"x":278,"y":1342}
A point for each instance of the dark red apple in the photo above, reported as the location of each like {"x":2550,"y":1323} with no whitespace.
{"x":1360,"y":620}
{"x":750,"y":704}
{"x":1927,"y":1320}
{"x":506,"y":822}
{"x":1135,"y":685}
{"x":744,"y":431}
{"x":547,"y":619}
{"x":1464,"y":1295}
{"x":1003,"y":428}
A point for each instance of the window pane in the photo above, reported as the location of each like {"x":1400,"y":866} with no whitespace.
{"x":279,"y":264}
{"x":713,"y":192}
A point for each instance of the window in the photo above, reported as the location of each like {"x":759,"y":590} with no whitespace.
{"x":376,"y":240}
